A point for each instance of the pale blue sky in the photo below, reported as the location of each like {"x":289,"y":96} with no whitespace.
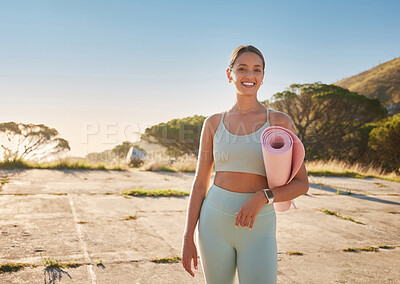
{"x":132,"y":64}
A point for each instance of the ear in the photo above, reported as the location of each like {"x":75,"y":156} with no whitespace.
{"x":228,"y":73}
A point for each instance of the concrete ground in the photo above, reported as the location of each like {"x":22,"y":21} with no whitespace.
{"x":85,"y":225}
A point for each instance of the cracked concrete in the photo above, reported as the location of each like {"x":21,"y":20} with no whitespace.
{"x":42,"y":224}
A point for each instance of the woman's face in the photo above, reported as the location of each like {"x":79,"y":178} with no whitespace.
{"x":247,"y":73}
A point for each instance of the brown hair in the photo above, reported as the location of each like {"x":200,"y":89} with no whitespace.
{"x":245,"y":48}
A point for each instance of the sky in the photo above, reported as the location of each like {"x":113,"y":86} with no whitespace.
{"x":100,"y":72}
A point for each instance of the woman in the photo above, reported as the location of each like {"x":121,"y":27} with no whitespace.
{"x":236,"y":199}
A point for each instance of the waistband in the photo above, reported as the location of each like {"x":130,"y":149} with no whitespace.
{"x":230,"y":202}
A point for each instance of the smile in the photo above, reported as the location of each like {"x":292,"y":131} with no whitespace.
{"x":248,"y":84}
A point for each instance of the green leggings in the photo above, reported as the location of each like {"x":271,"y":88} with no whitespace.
{"x":222,"y":246}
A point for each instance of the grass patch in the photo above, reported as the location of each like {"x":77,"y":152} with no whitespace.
{"x":162,"y":169}
{"x":102,"y":193}
{"x":343,"y":173}
{"x":386,"y":247}
{"x":156,"y":192}
{"x":47,"y":262}
{"x":185,"y":163}
{"x":338,"y":191}
{"x":328,"y":212}
{"x":369,"y":248}
{"x":18,"y":194}
{"x":56,"y":263}
{"x":393,"y":212}
{"x":343,"y":169}
{"x":294,"y":253}
{"x":130,"y":217}
{"x":62,"y":164}
{"x":347,"y":192}
{"x":173,"y":259}
{"x":71,"y":264}
{"x":378,"y":184}
{"x":13,"y":267}
{"x":4,"y":181}
{"x":60,"y":193}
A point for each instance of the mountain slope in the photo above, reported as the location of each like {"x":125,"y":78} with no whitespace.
{"x":381,"y":82}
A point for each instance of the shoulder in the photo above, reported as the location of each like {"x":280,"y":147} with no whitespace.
{"x":211,"y":123}
{"x":278,"y":118}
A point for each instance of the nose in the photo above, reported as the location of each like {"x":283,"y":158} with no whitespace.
{"x":249,"y":74}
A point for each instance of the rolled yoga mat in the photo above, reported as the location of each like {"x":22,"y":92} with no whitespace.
{"x":283,"y":154}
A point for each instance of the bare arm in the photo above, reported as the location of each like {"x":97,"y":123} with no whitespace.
{"x":201,"y":180}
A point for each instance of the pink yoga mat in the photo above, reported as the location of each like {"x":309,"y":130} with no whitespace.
{"x":283,"y":155}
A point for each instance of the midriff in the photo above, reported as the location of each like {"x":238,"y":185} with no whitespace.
{"x":240,"y":182}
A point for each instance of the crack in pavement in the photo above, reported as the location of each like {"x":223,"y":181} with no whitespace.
{"x":81,"y":240}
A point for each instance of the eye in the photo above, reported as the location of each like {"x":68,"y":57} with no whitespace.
{"x":258,"y":70}
{"x":241,"y":69}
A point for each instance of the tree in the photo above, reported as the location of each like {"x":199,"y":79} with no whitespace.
{"x":30,"y":141}
{"x":329,"y":119}
{"x":179,"y":136}
{"x":384,"y":141}
{"x":122,"y":150}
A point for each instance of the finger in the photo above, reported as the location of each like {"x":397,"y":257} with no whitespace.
{"x":189,"y":270}
{"x":243,"y":220}
{"x":187,"y":267}
{"x":238,"y":219}
{"x":195,"y":262}
{"x":252,"y":222}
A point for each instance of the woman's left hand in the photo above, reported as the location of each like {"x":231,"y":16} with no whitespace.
{"x":250,"y":209}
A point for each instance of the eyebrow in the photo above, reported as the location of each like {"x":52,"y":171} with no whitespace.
{"x":246,"y":65}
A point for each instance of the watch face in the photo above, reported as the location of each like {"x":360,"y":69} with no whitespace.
{"x":270,"y":194}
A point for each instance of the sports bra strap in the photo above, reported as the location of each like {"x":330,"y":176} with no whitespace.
{"x":222,"y":118}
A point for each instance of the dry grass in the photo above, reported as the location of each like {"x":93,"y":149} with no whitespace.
{"x":156,"y":192}
{"x":186,"y":163}
{"x":158,"y":164}
{"x":369,"y":248}
{"x":56,"y":263}
{"x":130,"y":217}
{"x":328,"y":212}
{"x":386,"y":247}
{"x":339,"y":168}
{"x":61,"y":164}
{"x":294,"y":253}
{"x":174,"y":259}
{"x":13,"y":267}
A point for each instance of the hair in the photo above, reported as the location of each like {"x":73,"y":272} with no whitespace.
{"x":245,"y":48}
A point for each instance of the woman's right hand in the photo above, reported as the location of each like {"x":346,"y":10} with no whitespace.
{"x":189,"y":252}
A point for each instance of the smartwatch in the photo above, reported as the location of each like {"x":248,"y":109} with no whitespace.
{"x":269,"y":195}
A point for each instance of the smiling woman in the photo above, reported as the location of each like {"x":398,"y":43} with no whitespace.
{"x":239,"y":194}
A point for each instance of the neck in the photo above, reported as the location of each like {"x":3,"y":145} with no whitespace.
{"x":245,"y":103}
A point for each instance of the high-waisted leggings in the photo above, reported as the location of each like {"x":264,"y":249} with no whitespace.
{"x":223,"y":247}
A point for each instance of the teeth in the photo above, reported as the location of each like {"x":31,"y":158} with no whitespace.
{"x":248,"y":84}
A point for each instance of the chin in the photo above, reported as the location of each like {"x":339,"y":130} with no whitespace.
{"x":248,"y":92}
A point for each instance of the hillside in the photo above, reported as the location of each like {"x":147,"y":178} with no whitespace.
{"x":381,"y":82}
